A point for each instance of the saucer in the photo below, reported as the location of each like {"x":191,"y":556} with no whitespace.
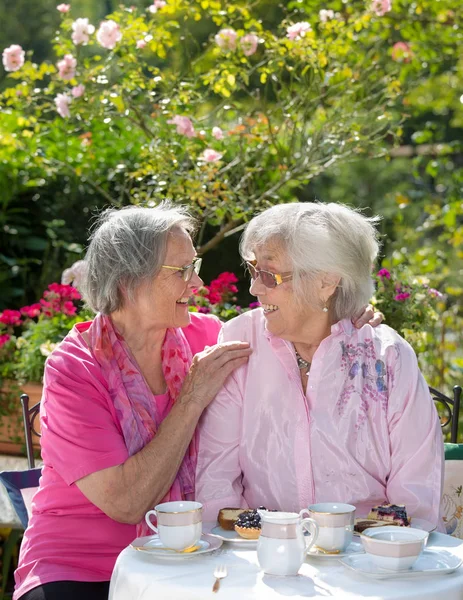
{"x":352,"y":549}
{"x":153,"y":546}
{"x":229,"y":536}
{"x":430,"y":562}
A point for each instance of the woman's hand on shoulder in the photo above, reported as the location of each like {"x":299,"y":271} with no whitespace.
{"x":209,"y":370}
{"x":367,"y":316}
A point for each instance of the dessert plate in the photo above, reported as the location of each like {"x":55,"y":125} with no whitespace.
{"x":153,"y":546}
{"x":352,"y":548}
{"x":430,"y":562}
{"x":229,"y":536}
{"x":415,"y":522}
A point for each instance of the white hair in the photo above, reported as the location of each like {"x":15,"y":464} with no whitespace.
{"x":320,"y":239}
{"x":128,"y":246}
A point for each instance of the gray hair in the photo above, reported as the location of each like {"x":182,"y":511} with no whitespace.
{"x":320,"y":239}
{"x":128,"y":246}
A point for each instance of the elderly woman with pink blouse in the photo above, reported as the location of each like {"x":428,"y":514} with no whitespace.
{"x":322,"y":411}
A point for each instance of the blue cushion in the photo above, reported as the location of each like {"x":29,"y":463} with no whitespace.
{"x":14,"y":482}
{"x":453,"y":451}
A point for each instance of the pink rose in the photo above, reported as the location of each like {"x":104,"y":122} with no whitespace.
{"x":13,"y":58}
{"x":63,"y":8}
{"x":109,"y":34}
{"x":298,"y":30}
{"x":10,"y":317}
{"x":326,"y":15}
{"x":141,"y":43}
{"x":4,"y":339}
{"x":62,"y":102}
{"x":381,"y":7}
{"x":67,"y":67}
{"x":157,"y":5}
{"x":226,"y":39}
{"x":249,"y":43}
{"x":184,"y":125}
{"x":401,"y":52}
{"x":210,"y":156}
{"x":81,"y":30}
{"x":78,"y":90}
{"x":217,"y":133}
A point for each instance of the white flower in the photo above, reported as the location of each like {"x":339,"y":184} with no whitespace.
{"x":217,"y":133}
{"x":109,"y":34}
{"x":75,"y":274}
{"x":326,"y":15}
{"x":298,"y":30}
{"x":62,"y":102}
{"x":81,"y":30}
{"x":47,"y":348}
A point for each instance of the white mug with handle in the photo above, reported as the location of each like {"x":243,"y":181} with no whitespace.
{"x":179,"y":523}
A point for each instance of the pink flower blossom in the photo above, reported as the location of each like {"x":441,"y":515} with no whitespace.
{"x":13,"y":57}
{"x":62,"y":102}
{"x":184,"y":125}
{"x":326,"y":15}
{"x":63,"y":8}
{"x":31,"y":311}
{"x":109,"y":34}
{"x":402,"y":296}
{"x":204,"y":310}
{"x":10,"y":317}
{"x":381,"y":7}
{"x":226,"y":39}
{"x":217,"y":133}
{"x":67,"y":67}
{"x":222,"y":287}
{"x":384,"y":274}
{"x":435,"y":293}
{"x":254,"y":305}
{"x":81,"y":30}
{"x":4,"y":339}
{"x":141,"y":43}
{"x":69,"y":308}
{"x":210,"y":155}
{"x":401,"y":52}
{"x":298,"y":30}
{"x":249,"y":43}
{"x":78,"y":90}
{"x":157,"y":5}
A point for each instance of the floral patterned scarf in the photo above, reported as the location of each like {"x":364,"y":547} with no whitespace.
{"x":134,"y":401}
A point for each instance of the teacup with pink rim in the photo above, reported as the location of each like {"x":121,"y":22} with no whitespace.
{"x":179,"y":523}
{"x":394,"y":548}
{"x":335,"y":522}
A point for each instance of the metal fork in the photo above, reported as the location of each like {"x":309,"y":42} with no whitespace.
{"x":219,"y":573}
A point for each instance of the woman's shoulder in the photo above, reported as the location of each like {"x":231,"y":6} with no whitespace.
{"x":384,"y":340}
{"x":245,"y":327}
{"x":202,"y":331}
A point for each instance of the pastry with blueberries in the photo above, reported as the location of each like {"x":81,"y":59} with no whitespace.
{"x":248,"y":524}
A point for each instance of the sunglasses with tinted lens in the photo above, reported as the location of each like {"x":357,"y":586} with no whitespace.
{"x":188,"y":270}
{"x":270,"y":280}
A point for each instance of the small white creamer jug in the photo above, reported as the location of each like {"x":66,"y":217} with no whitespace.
{"x":282,"y":546}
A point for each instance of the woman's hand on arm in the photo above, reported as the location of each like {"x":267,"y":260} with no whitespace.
{"x":126,"y":492}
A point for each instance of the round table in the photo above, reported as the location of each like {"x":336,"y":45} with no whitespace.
{"x":139,"y":576}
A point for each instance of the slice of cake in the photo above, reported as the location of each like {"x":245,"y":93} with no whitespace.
{"x":361,"y":524}
{"x":391,"y":514}
{"x":228,"y":516}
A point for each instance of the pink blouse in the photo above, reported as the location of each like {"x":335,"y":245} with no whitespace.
{"x":365,"y":432}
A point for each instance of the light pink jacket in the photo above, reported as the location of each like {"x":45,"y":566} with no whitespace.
{"x":365,"y":432}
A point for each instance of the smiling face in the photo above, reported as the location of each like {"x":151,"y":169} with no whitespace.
{"x":163,"y":302}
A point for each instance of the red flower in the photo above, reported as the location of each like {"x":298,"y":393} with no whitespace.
{"x":31,"y":311}
{"x":402,"y":297}
{"x":10,"y":317}
{"x":4,"y":339}
{"x":222,"y":287}
{"x":69,"y":308}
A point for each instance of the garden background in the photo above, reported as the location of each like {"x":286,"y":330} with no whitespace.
{"x":231,"y":107}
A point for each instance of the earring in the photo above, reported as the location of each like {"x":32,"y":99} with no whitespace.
{"x":325,"y":308}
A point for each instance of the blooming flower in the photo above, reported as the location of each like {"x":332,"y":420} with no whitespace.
{"x":298,"y":30}
{"x":249,"y":43}
{"x":62,"y":102}
{"x":254,"y":305}
{"x":78,"y":90}
{"x":435,"y":293}
{"x":217,"y":133}
{"x":326,"y":15}
{"x":157,"y":5}
{"x":74,"y":274}
{"x":384,"y":274}
{"x":63,"y":8}
{"x":401,"y":52}
{"x":204,"y":309}
{"x":10,"y":317}
{"x":31,"y":311}
{"x":381,"y":7}
{"x":67,"y":67}
{"x":47,"y":348}
{"x":141,"y":43}
{"x":220,"y":288}
{"x":226,"y":39}
{"x":13,"y":57}
{"x":402,"y":296}
{"x":81,"y":30}
{"x":4,"y":339}
{"x":184,"y":125}
{"x":109,"y":34}
{"x":210,"y":155}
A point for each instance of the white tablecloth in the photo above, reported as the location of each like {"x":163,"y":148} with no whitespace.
{"x":139,"y":576}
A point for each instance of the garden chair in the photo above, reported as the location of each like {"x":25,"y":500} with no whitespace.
{"x":29,"y":416}
{"x":451,"y":410}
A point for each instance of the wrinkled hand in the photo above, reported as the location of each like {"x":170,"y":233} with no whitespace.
{"x":209,"y":370}
{"x":368,"y":316}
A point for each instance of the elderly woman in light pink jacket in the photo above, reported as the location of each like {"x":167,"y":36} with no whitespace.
{"x":322,"y":411}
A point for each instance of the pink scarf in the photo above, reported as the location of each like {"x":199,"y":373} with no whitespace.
{"x":134,"y":401}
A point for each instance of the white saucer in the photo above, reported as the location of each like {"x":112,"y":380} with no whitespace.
{"x":229,"y":536}
{"x":352,"y":548}
{"x":430,"y":562}
{"x":153,"y":546}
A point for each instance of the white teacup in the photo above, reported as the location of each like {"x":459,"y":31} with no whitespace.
{"x":335,"y":524}
{"x":179,"y":523}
